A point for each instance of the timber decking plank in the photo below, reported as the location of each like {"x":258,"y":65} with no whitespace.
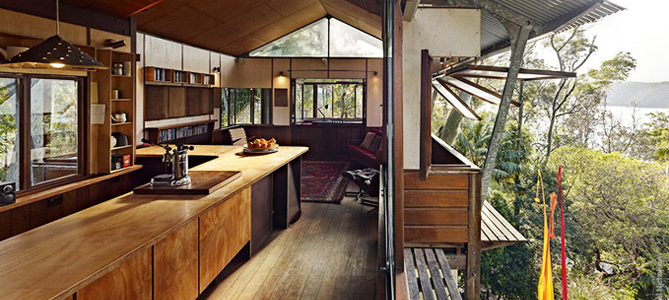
{"x":437,"y":280}
{"x":423,"y":274}
{"x":493,"y":226}
{"x":410,"y":269}
{"x":451,"y":284}
{"x":506,"y":225}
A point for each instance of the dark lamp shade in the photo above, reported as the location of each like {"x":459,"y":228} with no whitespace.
{"x":54,"y":50}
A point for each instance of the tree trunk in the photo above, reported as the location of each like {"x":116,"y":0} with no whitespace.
{"x":449,"y":131}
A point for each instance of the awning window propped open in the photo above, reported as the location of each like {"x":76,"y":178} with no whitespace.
{"x":458,"y":78}
{"x":492,"y":72}
{"x":461,"y":106}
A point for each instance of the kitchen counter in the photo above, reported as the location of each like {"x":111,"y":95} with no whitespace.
{"x":58,"y":259}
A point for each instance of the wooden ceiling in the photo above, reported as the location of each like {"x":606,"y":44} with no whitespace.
{"x":118,"y":8}
{"x":236,"y":27}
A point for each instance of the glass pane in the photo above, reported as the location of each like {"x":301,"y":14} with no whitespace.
{"x":348,"y":41}
{"x":308,"y":101}
{"x":359,"y":94}
{"x":9,"y":134}
{"x":257,"y":106}
{"x":298,"y":102}
{"x":225,"y":96}
{"x":324,"y":101}
{"x":311,"y":40}
{"x":243,"y":106}
{"x":54,"y":128}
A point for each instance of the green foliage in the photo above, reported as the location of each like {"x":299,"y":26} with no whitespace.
{"x":658,"y":134}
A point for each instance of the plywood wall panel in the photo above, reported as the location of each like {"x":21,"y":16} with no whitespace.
{"x":309,"y":68}
{"x":40,"y":28}
{"x":254,"y":73}
{"x":196,"y":59}
{"x":375,"y":92}
{"x":99,"y":38}
{"x":281,"y":114}
{"x":162,"y":53}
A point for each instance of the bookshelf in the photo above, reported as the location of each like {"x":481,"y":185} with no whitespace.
{"x":172,"y":77}
{"x":117,"y":93}
{"x":196,"y":132}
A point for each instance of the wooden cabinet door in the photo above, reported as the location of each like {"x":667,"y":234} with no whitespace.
{"x":194,"y":99}
{"x":129,"y":281}
{"x":177,"y":102}
{"x":207,"y":107}
{"x":175,"y":270}
{"x":224,"y":230}
{"x":156,"y":102}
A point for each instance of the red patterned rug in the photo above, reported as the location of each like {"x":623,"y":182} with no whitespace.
{"x":322,"y":181}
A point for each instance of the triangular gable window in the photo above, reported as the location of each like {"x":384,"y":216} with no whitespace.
{"x":323,"y":38}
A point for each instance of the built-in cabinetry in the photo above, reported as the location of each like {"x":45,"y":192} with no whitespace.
{"x":165,"y":102}
{"x":116,"y":91}
{"x":183,"y":264}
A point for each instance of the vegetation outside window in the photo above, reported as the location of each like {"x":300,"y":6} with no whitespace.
{"x":245,"y":106}
{"x":41,"y":124}
{"x":9,"y":134}
{"x":329,"y":101}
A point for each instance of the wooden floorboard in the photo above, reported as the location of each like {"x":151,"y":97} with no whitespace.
{"x":330,"y":253}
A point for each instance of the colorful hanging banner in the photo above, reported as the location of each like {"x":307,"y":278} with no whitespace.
{"x":562,"y":238}
{"x":545,"y":291}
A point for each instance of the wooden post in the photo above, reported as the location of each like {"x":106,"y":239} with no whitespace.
{"x":425,"y":113}
{"x":473,"y":275}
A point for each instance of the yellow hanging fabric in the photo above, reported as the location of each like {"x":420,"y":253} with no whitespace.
{"x":546,"y":277}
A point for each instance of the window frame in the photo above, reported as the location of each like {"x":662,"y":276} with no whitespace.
{"x":231,"y":106}
{"x":314,"y":113}
{"x":83,"y":130}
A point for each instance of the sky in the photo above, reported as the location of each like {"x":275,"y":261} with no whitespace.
{"x":642,"y":29}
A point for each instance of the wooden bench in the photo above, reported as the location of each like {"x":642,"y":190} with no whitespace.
{"x":429,"y":274}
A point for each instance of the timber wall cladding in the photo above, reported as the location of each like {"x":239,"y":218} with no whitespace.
{"x":435,"y":210}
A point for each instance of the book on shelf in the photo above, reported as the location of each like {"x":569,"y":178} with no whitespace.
{"x":182,"y":132}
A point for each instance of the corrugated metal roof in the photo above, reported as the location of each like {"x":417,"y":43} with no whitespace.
{"x":549,"y":15}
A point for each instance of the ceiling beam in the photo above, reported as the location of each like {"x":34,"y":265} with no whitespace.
{"x":410,"y":10}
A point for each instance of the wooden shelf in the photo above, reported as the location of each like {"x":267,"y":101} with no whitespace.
{"x":121,"y":124}
{"x":121,"y":147}
{"x":121,"y":100}
{"x":31,"y":197}
{"x":121,"y":76}
{"x":165,"y":83}
{"x":126,"y":169}
{"x":154,"y":133}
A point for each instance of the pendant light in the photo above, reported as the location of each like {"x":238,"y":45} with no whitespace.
{"x":54,"y":52}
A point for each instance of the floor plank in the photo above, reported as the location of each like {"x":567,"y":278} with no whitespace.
{"x":330,"y":253}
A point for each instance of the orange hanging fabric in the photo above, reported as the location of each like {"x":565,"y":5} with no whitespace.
{"x":545,"y":291}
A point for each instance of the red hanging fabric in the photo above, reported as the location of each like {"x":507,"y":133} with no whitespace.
{"x":564,"y":261}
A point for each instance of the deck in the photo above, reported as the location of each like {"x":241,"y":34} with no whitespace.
{"x":429,"y":275}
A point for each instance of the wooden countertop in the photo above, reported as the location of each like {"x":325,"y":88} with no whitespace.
{"x":55,"y":260}
{"x":200,"y":150}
